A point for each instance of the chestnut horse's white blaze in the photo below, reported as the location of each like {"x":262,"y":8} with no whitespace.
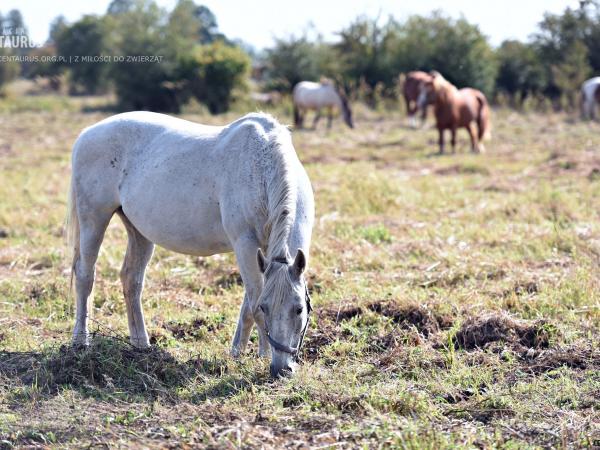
{"x":590,"y":97}
{"x":198,"y":190}
{"x":309,"y":95}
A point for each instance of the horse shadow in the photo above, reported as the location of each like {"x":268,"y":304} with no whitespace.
{"x":112,"y":367}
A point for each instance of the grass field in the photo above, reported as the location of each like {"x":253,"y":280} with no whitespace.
{"x":456,"y":300}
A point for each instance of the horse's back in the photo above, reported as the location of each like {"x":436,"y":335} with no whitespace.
{"x":588,"y":88}
{"x":315,"y":95}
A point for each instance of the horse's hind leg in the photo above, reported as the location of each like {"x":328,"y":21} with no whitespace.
{"x":91,"y":233}
{"x":453,"y":139}
{"x":441,"y":139}
{"x":473,"y":135}
{"x":316,"y":119}
{"x":137,"y":257}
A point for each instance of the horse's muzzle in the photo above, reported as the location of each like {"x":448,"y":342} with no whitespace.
{"x":281,"y":371}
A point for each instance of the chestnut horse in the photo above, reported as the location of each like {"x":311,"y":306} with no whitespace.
{"x":454,"y":108}
{"x":411,"y":87}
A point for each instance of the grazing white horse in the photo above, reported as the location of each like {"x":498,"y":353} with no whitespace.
{"x":590,"y":97}
{"x":309,"y":95}
{"x":198,"y":190}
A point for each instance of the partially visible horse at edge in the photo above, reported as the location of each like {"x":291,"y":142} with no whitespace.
{"x":411,"y":88}
{"x":308,"y":95}
{"x":590,"y":98}
{"x":454,"y":108}
{"x":198,"y":190}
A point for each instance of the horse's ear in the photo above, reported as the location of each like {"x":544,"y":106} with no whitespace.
{"x":299,"y":263}
{"x":260,"y":258}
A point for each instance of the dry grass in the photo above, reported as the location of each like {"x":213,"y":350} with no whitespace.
{"x":456,"y":300}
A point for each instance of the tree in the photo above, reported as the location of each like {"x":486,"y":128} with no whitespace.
{"x":294,"y":59}
{"x":572,"y":71}
{"x":572,"y":37}
{"x":84,"y":37}
{"x":520,"y":71}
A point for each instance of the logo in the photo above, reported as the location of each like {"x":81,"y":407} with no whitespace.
{"x":15,"y":38}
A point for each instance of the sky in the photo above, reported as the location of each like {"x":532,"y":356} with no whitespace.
{"x":257,"y":22}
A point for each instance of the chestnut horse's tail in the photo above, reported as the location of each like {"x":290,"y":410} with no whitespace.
{"x":483,"y":118}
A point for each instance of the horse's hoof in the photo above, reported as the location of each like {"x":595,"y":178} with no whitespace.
{"x":140,"y":343}
{"x":235,"y":353}
{"x":80,"y":341}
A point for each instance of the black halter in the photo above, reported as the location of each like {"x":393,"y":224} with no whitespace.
{"x":286,"y":348}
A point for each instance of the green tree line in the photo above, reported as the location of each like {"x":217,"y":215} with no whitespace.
{"x":366,"y":56}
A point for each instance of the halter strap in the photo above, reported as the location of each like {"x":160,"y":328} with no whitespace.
{"x":286,"y":348}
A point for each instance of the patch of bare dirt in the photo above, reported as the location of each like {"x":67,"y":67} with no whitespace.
{"x":577,"y":356}
{"x":193,"y":330}
{"x":477,"y":332}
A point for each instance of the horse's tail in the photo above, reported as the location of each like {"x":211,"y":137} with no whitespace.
{"x":483,"y":118}
{"x":72,"y":229}
{"x":401,"y":82}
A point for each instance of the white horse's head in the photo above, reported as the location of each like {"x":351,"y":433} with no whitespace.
{"x":283,"y":309}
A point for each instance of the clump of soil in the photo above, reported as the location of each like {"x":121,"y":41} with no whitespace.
{"x":229,"y":280}
{"x":342,"y":313}
{"x":426,"y":321}
{"x":185,"y":330}
{"x":477,"y":332}
{"x":574,"y":356}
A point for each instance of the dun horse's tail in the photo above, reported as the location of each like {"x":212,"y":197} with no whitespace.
{"x":483,"y":118}
{"x":72,"y":229}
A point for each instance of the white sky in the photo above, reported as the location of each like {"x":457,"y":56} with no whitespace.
{"x":258,"y":21}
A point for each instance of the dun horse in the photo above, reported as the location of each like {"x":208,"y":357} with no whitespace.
{"x":590,"y":98}
{"x":198,"y":190}
{"x":454,"y":108}
{"x":411,"y":88}
{"x":309,"y":95}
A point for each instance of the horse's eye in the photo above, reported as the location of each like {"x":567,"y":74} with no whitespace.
{"x":263,"y":308}
{"x":299,"y":310}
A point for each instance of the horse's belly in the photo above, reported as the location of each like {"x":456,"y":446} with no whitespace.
{"x":177,"y":217}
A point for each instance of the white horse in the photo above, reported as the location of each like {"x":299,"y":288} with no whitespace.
{"x":590,"y":97}
{"x":198,"y":190}
{"x":309,"y":95}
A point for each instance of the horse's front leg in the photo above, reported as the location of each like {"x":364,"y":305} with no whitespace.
{"x":245,"y":252}
{"x":329,"y":117}
{"x":441,"y":139}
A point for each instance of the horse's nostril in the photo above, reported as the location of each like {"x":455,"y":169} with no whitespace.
{"x":281,"y":372}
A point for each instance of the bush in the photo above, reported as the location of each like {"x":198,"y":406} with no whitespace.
{"x":216,"y":71}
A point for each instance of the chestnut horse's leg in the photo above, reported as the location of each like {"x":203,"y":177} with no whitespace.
{"x":409,"y":112}
{"x":441,"y":139}
{"x":473,"y":136}
{"x":453,"y":141}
